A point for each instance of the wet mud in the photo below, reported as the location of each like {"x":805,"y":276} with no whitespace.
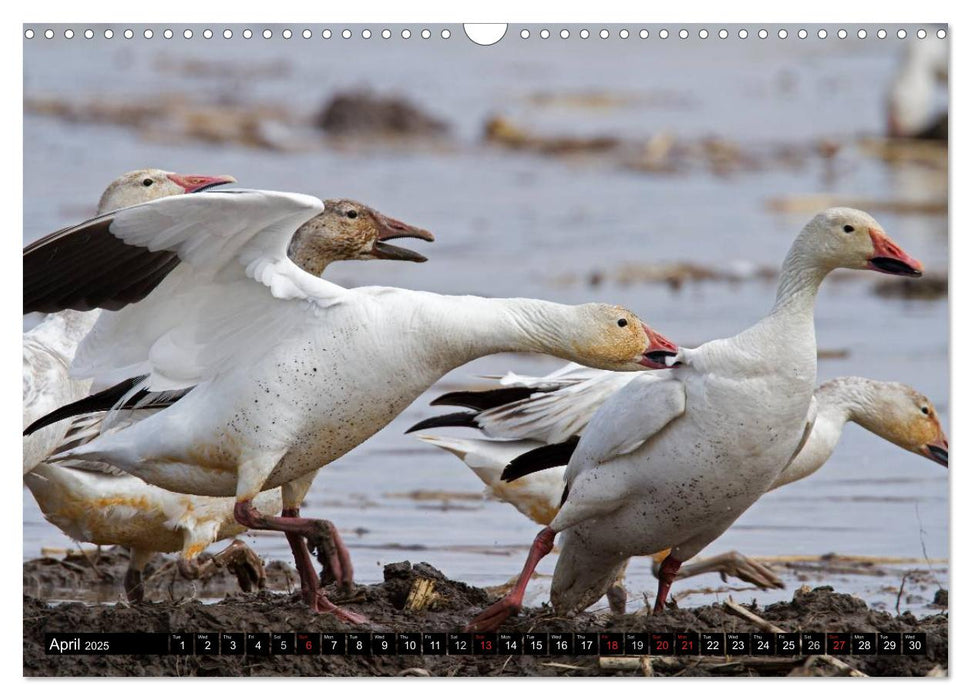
{"x":419,"y":598}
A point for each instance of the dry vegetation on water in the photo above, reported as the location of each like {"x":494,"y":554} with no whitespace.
{"x":420,"y":598}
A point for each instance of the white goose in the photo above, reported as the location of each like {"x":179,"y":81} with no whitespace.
{"x":92,"y":503}
{"x":289,"y":371}
{"x":910,"y":103}
{"x":672,"y":463}
{"x":896,"y":412}
{"x":49,"y":347}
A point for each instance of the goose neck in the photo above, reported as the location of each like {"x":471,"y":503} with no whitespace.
{"x":799,"y":282}
{"x":470,"y":327}
{"x":831,"y":417}
{"x":851,"y":398}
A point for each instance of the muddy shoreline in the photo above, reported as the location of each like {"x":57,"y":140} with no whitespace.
{"x":420,"y":598}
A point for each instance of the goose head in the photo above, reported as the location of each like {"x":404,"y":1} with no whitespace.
{"x":140,"y":186}
{"x":902,"y":415}
{"x":611,"y":337}
{"x":348,"y":230}
{"x":849,"y":238}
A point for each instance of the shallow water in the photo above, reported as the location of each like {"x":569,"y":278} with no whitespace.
{"x":513,"y":224}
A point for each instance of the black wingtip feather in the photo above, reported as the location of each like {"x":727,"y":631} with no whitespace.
{"x":484,"y":400}
{"x":545,"y":457}
{"x":99,"y":401}
{"x":85,"y":267}
{"x":449,"y":420}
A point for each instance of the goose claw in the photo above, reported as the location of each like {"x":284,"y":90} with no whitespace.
{"x":751,"y":571}
{"x":490,"y":619}
{"x":333,"y":556}
{"x":322,"y":605}
{"x":245,"y":565}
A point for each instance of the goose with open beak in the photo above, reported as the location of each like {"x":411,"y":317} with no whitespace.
{"x":91,"y":502}
{"x":288,"y":372}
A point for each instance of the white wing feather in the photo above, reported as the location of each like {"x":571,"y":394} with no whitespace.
{"x":208,"y":314}
{"x":553,"y":416}
{"x":537,"y":495}
{"x":628,"y":419}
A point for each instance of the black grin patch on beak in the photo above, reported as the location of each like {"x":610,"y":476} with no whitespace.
{"x":209,"y":187}
{"x":657,"y":357}
{"x":938,"y":454}
{"x":386,"y":251}
{"x":892,"y":266}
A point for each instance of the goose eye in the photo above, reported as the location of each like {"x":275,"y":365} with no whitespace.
{"x":622,"y":322}
{"x":848,"y":229}
{"x":148,"y":182}
{"x":352,"y":214}
{"x":925,"y":410}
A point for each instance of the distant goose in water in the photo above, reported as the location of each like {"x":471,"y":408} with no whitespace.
{"x":911,"y":102}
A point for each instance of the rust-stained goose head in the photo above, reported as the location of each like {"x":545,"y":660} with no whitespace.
{"x":349,"y":230}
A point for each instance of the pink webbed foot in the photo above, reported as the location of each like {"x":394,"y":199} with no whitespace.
{"x":333,"y":555}
{"x":490,"y":619}
{"x":324,"y":535}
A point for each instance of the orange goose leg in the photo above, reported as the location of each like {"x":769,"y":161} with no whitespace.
{"x":665,"y":577}
{"x":492,"y":617}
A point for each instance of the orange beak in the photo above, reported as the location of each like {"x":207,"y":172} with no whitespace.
{"x":658,"y":349}
{"x":197,"y":183}
{"x":890,"y":258}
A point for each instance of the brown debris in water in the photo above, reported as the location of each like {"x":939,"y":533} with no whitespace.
{"x":225,"y":70}
{"x":362,"y":113}
{"x":673,"y":274}
{"x":503,"y":132}
{"x":812,"y":203}
{"x":932,"y":154}
{"x":932,"y":285}
{"x":603,"y":100}
{"x":175,"y":118}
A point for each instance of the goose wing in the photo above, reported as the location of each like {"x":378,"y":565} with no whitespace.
{"x":86,"y":267}
{"x":625,"y":421}
{"x":549,"y":409}
{"x":234,"y":295}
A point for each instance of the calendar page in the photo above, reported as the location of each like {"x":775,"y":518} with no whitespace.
{"x":443,"y":350}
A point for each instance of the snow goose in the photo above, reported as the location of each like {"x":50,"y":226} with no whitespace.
{"x":49,"y":347}
{"x":672,"y":461}
{"x":894,"y":411}
{"x":910,"y":103}
{"x":290,"y":371}
{"x":115,"y":508}
{"x":344,"y":231}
